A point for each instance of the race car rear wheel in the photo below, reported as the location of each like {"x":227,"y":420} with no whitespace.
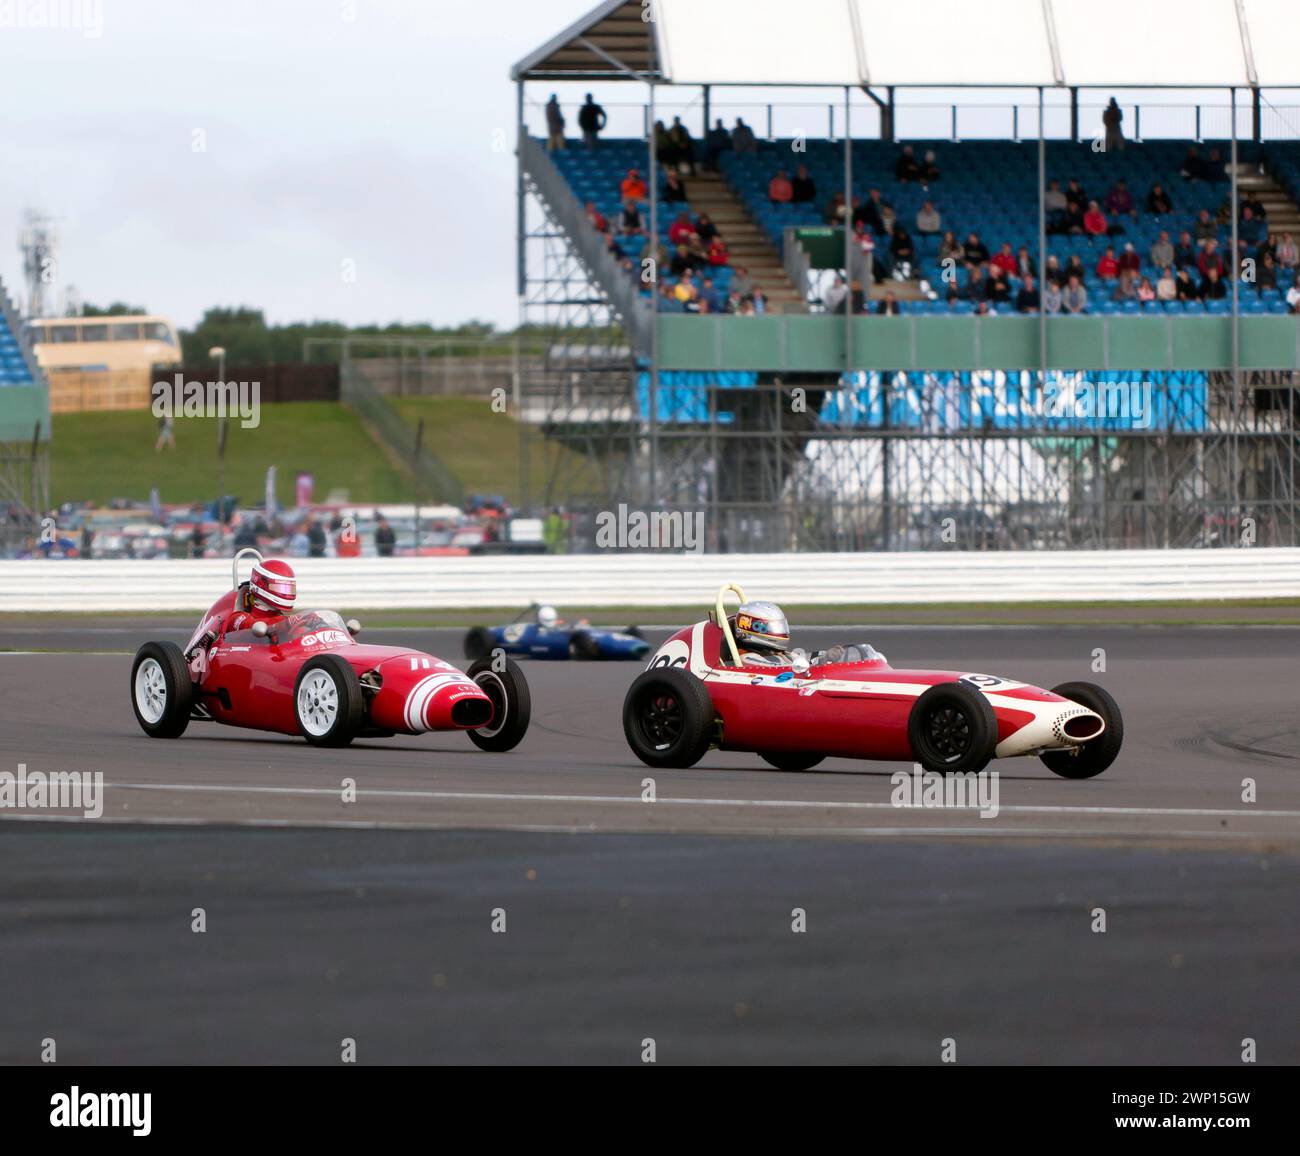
{"x":668,"y":718}
{"x":1097,"y":754}
{"x":479,"y":643}
{"x":512,"y":705}
{"x":162,"y":692}
{"x":791,"y":760}
{"x":952,"y":729}
{"x":582,"y":645}
{"x":327,"y":701}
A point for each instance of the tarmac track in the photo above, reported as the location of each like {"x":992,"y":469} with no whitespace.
{"x":667,"y":919}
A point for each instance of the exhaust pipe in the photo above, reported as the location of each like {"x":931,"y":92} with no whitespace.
{"x":1077,"y":725}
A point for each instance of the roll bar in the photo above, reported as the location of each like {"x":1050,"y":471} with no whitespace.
{"x":234,"y":563}
{"x":720,"y":616}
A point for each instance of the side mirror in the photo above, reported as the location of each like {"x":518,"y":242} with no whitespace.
{"x":260,"y":629}
{"x":354,"y":627}
{"x":799,"y":662}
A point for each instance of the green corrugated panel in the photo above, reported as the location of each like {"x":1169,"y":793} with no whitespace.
{"x":21,"y":407}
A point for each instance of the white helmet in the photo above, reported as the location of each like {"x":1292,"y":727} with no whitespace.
{"x":547,"y":617}
{"x":763,"y":625}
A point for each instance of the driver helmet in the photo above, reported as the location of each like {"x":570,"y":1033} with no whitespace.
{"x":547,"y":617}
{"x":272,"y":586}
{"x":762,"y":625}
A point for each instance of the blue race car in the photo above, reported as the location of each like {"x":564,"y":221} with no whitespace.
{"x":539,"y":632}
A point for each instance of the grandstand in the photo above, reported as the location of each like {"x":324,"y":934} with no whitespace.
{"x":24,"y":430}
{"x":809,"y":425}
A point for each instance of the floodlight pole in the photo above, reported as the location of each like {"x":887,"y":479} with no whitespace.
{"x":1042,"y":245}
{"x":1236,"y":349}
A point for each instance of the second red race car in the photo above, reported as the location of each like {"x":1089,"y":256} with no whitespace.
{"x":256,"y":662}
{"x":702,"y":691}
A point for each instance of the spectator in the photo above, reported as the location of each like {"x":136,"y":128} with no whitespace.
{"x":1213,"y":288}
{"x":888,"y":306}
{"x":1112,"y":118}
{"x":1193,"y":167}
{"x":1075,"y":192}
{"x":976,"y":250}
{"x":1210,"y":258}
{"x":1005,"y":259}
{"x":863,"y":255}
{"x":803,"y":188}
{"x":1073,"y":222}
{"x":1250,"y":228}
{"x":1054,"y":200}
{"x":1094,"y":221}
{"x":901,"y":251}
{"x":1028,"y":299}
{"x":630,"y":221}
{"x":1293,"y":296}
{"x":1212,"y":170}
{"x":834,"y":214}
{"x":594,"y":218}
{"x":717,"y":142}
{"x":760,"y":300}
{"x":1186,"y":251}
{"x":665,"y":150}
{"x":385,"y":539}
{"x":315,"y":534}
{"x":871,"y":212}
{"x":87,"y":547}
{"x":742,"y":138}
{"x":998,"y":289}
{"x":1288,"y":253}
{"x":857,"y":298}
{"x":950,"y":249}
{"x":1267,"y":245}
{"x":591,"y":119}
{"x":905,"y":168}
{"x":683,"y":144}
{"x":1166,"y":287}
{"x":1266,"y":273}
{"x":1119,"y":201}
{"x":779,"y":189}
{"x":554,"y":125}
{"x":674,"y":190}
{"x":705,"y":229}
{"x":683,"y":261}
{"x":166,"y":433}
{"x":742,"y":284}
{"x":929,"y":169}
{"x":686,"y":292}
{"x":718,"y":254}
{"x":1129,"y":260}
{"x":836,"y":295}
{"x":1125,"y":287}
{"x":1207,"y":228}
{"x":1074,"y":297}
{"x":1074,"y":268}
{"x":1162,"y":252}
{"x":1108,"y":266}
{"x":633,"y":187}
{"x":681,"y":230}
{"x":1053,"y":274}
{"x":1158,"y":201}
{"x":1052,"y":298}
{"x":1146,"y":291}
{"x":928,"y":220}
{"x":888,"y":218}
{"x":1185,"y":287}
{"x":977,"y":284}
{"x":1025,"y":264}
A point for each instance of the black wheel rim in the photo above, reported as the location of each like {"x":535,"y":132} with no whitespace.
{"x":948,"y":730}
{"x":662,"y":719}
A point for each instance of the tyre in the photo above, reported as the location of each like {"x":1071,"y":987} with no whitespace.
{"x":1097,"y":754}
{"x":582,"y":645}
{"x":668,"y":718}
{"x":952,"y":729}
{"x":162,"y":692}
{"x":635,"y":632}
{"x":512,"y":705}
{"x":479,"y":643}
{"x":327,"y":702}
{"x":791,"y":760}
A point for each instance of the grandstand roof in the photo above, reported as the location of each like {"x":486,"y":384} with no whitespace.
{"x":929,"y":43}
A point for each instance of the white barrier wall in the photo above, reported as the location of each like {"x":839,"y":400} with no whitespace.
{"x":649,"y":579}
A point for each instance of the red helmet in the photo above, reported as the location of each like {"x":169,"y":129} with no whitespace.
{"x":272,"y":585}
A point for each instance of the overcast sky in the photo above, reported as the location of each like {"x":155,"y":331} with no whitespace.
{"x":376,"y":133}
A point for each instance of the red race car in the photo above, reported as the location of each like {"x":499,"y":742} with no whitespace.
{"x":848,"y":702}
{"x":305,"y":674}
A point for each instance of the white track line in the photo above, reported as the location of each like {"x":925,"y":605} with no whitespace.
{"x":851,"y":805}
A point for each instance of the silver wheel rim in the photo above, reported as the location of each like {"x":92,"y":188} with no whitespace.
{"x":150,"y":691}
{"x":494,"y":728}
{"x":318,"y":703}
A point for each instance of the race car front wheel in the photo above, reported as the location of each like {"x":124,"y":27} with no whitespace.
{"x":512,"y":705}
{"x":668,"y":718}
{"x":582,"y":645}
{"x":161,"y":690}
{"x":952,"y":729}
{"x":1097,"y":754}
{"x":479,"y":643}
{"x":327,"y":701}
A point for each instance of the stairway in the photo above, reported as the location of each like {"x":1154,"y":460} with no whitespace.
{"x":1283,"y":213}
{"x":746,"y":244}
